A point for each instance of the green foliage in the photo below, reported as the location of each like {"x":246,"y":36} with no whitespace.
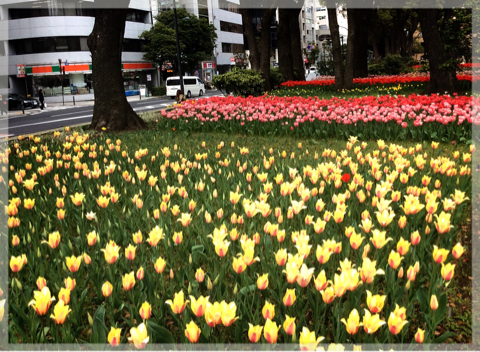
{"x":159,"y":91}
{"x":391,"y":65}
{"x":197,"y":40}
{"x":240,"y":82}
{"x":276,"y":77}
{"x":313,"y":55}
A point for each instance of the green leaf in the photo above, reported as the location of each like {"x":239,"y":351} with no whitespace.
{"x":247,"y":289}
{"x":99,"y":330}
{"x":198,"y":248}
{"x":443,"y":337}
{"x":422,"y":299}
{"x":440,"y":312}
{"x":160,"y":334}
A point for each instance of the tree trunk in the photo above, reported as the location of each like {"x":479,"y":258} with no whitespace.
{"x":376,"y":53}
{"x":265,"y":44}
{"x":349,"y":62}
{"x":441,"y":80}
{"x":296,"y":45}
{"x":285,"y":56}
{"x":249,"y":31}
{"x":361,"y":17}
{"x":111,"y":110}
{"x":410,"y":39}
{"x":336,"y":49}
{"x":387,"y":46}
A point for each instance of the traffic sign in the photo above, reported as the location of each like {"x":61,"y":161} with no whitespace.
{"x":232,"y":59}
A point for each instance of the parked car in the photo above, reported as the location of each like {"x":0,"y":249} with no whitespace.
{"x":15,"y":102}
{"x":192,"y":86}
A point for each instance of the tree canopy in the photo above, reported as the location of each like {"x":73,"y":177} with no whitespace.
{"x":197,"y":40}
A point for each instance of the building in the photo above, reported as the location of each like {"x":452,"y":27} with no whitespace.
{"x":42,"y":32}
{"x":307,"y":24}
{"x":225,"y":16}
{"x":322,"y":26}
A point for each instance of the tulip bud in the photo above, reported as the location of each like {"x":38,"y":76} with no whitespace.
{"x":215,"y":282}
{"x":190,"y":259}
{"x":189,"y":290}
{"x":90,"y":319}
{"x":171,"y":274}
{"x":420,"y":335}
{"x":407,"y":286}
{"x":209,"y":283}
{"x":400,"y":273}
{"x":19,"y":285}
{"x":235,"y":290}
{"x":70,"y":245}
{"x":39,"y":253}
{"x":433,"y":302}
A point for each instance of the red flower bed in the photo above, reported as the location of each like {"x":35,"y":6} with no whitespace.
{"x":376,"y":80}
{"x":416,"y":108}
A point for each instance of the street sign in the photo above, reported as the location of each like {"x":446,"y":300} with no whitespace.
{"x":149,"y":78}
{"x":275,"y":64}
{"x":21,"y":71}
{"x":232,"y":59}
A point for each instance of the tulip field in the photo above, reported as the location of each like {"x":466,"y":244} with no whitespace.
{"x":174,"y":236}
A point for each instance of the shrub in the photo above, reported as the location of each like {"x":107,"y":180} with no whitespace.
{"x":159,"y":91}
{"x":240,"y":82}
{"x":276,"y":78}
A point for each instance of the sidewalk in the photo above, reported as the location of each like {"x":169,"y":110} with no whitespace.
{"x":68,"y":105}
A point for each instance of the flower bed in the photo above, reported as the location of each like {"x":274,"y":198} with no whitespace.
{"x":350,"y":245}
{"x":432,"y":117}
{"x":380,"y":80}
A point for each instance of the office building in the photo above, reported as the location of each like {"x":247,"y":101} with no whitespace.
{"x":42,"y":32}
{"x":225,"y":16}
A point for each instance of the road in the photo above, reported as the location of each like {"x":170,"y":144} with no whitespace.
{"x":53,"y":119}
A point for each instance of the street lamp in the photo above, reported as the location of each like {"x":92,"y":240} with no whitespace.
{"x":178,"y":46}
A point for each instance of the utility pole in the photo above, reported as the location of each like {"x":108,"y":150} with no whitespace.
{"x":178,"y":47}
{"x":62,"y":78}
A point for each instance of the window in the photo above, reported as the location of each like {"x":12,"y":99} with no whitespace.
{"x":324,"y":27}
{"x":308,"y":10}
{"x":189,"y":81}
{"x":63,"y":44}
{"x":203,"y":11}
{"x":232,"y":48}
{"x":308,"y":32}
{"x":322,"y":17}
{"x":231,"y":27}
{"x":228,"y":6}
{"x":173,"y":82}
{"x":72,"y":9}
{"x":308,"y":20}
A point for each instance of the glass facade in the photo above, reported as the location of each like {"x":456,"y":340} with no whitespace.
{"x":231,"y":27}
{"x":138,"y":16}
{"x":62,"y":44}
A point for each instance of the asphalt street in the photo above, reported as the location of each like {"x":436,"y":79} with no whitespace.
{"x":53,"y":119}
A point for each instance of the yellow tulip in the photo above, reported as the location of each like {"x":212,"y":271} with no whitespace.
{"x":371,"y":323}
{"x":199,"y":305}
{"x":353,"y":323}
{"x":155,"y":236}
{"x":308,"y":341}
{"x":192,"y":332}
{"x":16,"y":263}
{"x":60,"y":312}
{"x":178,"y":304}
{"x":270,"y":331}
{"x":268,"y":310}
{"x":375,"y":302}
{"x":128,"y":281}
{"x":139,"y":336}
{"x":112,"y":252}
{"x":41,"y":301}
{"x":254,"y":332}
{"x":114,"y":336}
{"x":228,"y":313}
{"x":53,"y":240}
{"x":439,"y":255}
{"x":73,"y":263}
{"x":289,"y":297}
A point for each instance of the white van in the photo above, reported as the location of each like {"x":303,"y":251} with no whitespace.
{"x":193,"y":86}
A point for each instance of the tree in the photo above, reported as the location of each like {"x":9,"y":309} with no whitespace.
{"x":197,"y":40}
{"x":160,"y":44}
{"x":313,"y":55}
{"x":111,"y":111}
{"x":290,"y":59}
{"x":441,"y":47}
{"x":259,"y":47}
